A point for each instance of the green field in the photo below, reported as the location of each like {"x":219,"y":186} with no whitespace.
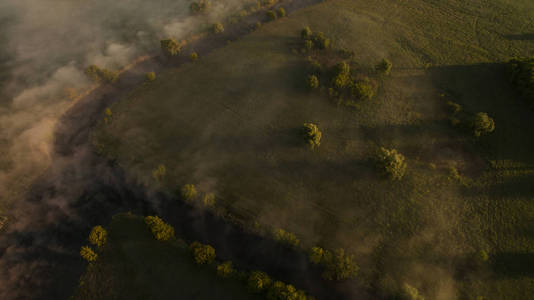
{"x":229,"y":123}
{"x":133,"y":265}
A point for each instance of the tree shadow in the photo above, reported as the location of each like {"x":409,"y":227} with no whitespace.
{"x":520,"y":37}
{"x":510,"y":264}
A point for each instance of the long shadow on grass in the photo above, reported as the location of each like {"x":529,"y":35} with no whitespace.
{"x":520,"y":37}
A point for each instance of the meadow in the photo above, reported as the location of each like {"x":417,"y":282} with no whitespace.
{"x":229,"y":124}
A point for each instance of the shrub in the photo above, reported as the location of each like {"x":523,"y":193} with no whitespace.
{"x":208,"y":200}
{"x":218,"y":28}
{"x":339,"y":266}
{"x":159,"y":173}
{"x":98,"y":236}
{"x":391,"y":162}
{"x":170,"y":47}
{"x":384,"y":66}
{"x":88,"y":254}
{"x":313,"y":82}
{"x":258,"y":281}
{"x":313,"y":135}
{"x":203,"y":254}
{"x":200,"y":7}
{"x":363,"y":89}
{"x":306,"y":33}
{"x":317,"y":255}
{"x":225,"y":269}
{"x":150,"y":76}
{"x":411,"y":293}
{"x":482,"y":124}
{"x":193,"y":56}
{"x":160,"y":230}
{"x":281,"y":12}
{"x":285,"y":237}
{"x":271,"y":15}
{"x":189,"y":192}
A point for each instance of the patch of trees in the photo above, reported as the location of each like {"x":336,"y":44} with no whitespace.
{"x":337,"y":266}
{"x":314,"y":40}
{"x":99,"y":75}
{"x":170,"y":47}
{"x":201,"y":6}
{"x":98,"y":238}
{"x":391,"y":162}
{"x":521,"y":71}
{"x":160,"y":230}
{"x":478,"y":124}
{"x":312,"y":135}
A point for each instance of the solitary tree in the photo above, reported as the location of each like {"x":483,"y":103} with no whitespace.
{"x":225,"y":269}
{"x":218,"y":28}
{"x":259,"y":281}
{"x":160,"y":230}
{"x":342,"y":77}
{"x":317,"y":255}
{"x":200,"y":7}
{"x":281,"y":12}
{"x":482,"y":124}
{"x":384,"y":66}
{"x":189,"y":192}
{"x":313,"y":135}
{"x":313,"y":82}
{"x":193,"y":56}
{"x":363,"y":89}
{"x":170,"y":47}
{"x":203,"y":254}
{"x":98,"y":236}
{"x":88,"y":254}
{"x":391,"y":162}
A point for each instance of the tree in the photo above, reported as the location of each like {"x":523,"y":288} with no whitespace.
{"x":259,"y":281}
{"x":98,"y":236}
{"x":384,"y":66}
{"x":208,"y":200}
{"x":391,"y":162}
{"x":189,"y":192}
{"x":411,"y":293}
{"x":281,"y":12}
{"x":203,"y":254}
{"x":93,"y":72}
{"x":306,"y":33}
{"x":313,"y":135}
{"x":320,"y":41}
{"x":160,"y":230}
{"x":97,"y":74}
{"x":108,"y":76}
{"x":170,"y":47}
{"x":88,"y":254}
{"x":271,"y":15}
{"x":225,"y":269}
{"x":317,"y":255}
{"x":482,"y":124}
{"x":200,"y":7}
{"x":339,"y":266}
{"x":159,"y":173}
{"x":342,"y":77}
{"x":363,"y":89}
{"x":313,"y":82}
{"x":218,"y":28}
{"x":282,"y":291}
{"x":193,"y":56}
{"x":285,"y":237}
{"x":150,"y":76}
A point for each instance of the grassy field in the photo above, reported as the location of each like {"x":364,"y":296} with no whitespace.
{"x":229,"y":124}
{"x":133,"y":265}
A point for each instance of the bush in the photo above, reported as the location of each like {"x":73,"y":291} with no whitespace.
{"x":312,"y":81}
{"x":88,"y":254}
{"x":98,"y":236}
{"x":281,"y":12}
{"x":258,"y":281}
{"x":391,"y":162}
{"x":200,"y":7}
{"x":313,"y":135}
{"x":208,"y":200}
{"x":159,"y":173}
{"x":384,"y":66}
{"x":482,"y":124}
{"x":225,"y":269}
{"x":363,"y":89}
{"x":306,"y":33}
{"x":160,"y":230}
{"x":170,"y":47}
{"x":339,"y":266}
{"x":189,"y":192}
{"x":193,"y":56}
{"x":410,"y":293}
{"x":218,"y":28}
{"x":150,"y":76}
{"x":271,"y":15}
{"x":285,"y":237}
{"x":203,"y":254}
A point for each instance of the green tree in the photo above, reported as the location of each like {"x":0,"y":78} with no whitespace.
{"x":170,"y":47}
{"x":203,"y":254}
{"x":320,"y":41}
{"x":281,"y":12}
{"x":313,"y":135}
{"x":159,"y":173}
{"x":342,"y":71}
{"x":306,"y":33}
{"x":200,"y":6}
{"x":271,"y":15}
{"x":189,"y":192}
{"x":282,"y":291}
{"x":108,"y":76}
{"x":391,"y":162}
{"x":318,"y":254}
{"x":384,"y":66}
{"x":482,"y":124}
{"x":285,"y":237}
{"x":313,"y":82}
{"x":363,"y":89}
{"x":98,"y":236}
{"x":160,"y":230}
{"x":88,"y":254}
{"x":193,"y":56}
{"x":218,"y":28}
{"x":208,"y":200}
{"x":150,"y":76}
{"x":225,"y":269}
{"x":339,"y":266}
{"x":93,"y":72}
{"x":411,"y":293}
{"x":259,"y":281}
